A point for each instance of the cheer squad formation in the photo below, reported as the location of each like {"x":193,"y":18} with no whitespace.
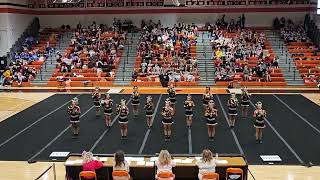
{"x":105,"y":102}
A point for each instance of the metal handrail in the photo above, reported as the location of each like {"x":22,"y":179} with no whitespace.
{"x":53,"y":166}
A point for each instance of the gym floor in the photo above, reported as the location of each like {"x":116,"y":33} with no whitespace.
{"x":292,"y":130}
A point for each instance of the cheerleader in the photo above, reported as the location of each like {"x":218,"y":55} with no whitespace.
{"x":259,"y":116}
{"x":107,"y":104}
{"x":123,"y":112}
{"x":172,"y":97}
{"x":189,"y":105}
{"x":149,"y":107}
{"x":135,"y":101}
{"x":167,"y":114}
{"x":211,"y":114}
{"x":232,"y":105}
{"x":74,"y":111}
{"x":245,"y":97}
{"x":96,"y":100}
{"x":207,"y":96}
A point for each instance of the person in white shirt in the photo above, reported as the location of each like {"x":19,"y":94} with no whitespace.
{"x":120,"y":164}
{"x":207,"y":164}
{"x":164,"y":162}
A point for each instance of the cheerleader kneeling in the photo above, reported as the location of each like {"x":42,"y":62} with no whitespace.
{"x":123,"y":112}
{"x":167,"y":114}
{"x":211,"y":114}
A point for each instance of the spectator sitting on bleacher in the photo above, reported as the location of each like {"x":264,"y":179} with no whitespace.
{"x":293,"y":33}
{"x":157,"y":48}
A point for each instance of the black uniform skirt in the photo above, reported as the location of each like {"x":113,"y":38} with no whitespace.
{"x":205,"y":102}
{"x":211,"y":122}
{"x":149,"y":113}
{"x":259,"y":124}
{"x":233,"y":111}
{"x":167,"y":121}
{"x":189,"y":113}
{"x":245,"y":103}
{"x":108,"y":111}
{"x":74,"y":119}
{"x":135,"y":102}
{"x":97,"y":104}
{"x":172,"y":100}
{"x":123,"y":120}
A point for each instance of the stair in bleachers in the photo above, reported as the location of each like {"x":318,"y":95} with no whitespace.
{"x":205,"y":64}
{"x":126,"y":66}
{"x":49,"y":66}
{"x":286,"y":63}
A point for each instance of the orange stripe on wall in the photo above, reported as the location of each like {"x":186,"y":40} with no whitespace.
{"x":154,"y":10}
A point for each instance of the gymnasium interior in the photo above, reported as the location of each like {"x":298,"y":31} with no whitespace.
{"x":170,"y":89}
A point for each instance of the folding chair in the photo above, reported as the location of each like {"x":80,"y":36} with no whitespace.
{"x":87,"y":174}
{"x":120,"y":175}
{"x":165,"y":175}
{"x":210,"y":176}
{"x":237,"y":173}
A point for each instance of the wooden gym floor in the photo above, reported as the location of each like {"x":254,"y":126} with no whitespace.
{"x":12,"y":103}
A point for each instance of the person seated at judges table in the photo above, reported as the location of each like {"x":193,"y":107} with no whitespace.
{"x":164,"y":163}
{"x":207,"y":163}
{"x":120,"y":164}
{"x":89,"y":163}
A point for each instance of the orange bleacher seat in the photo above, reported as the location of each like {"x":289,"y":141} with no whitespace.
{"x":182,"y":83}
{"x":23,"y":84}
{"x":102,"y":83}
{"x":53,"y":84}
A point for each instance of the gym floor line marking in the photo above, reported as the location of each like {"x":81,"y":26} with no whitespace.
{"x":148,"y":131}
{"x":32,"y":124}
{"x":281,"y":138}
{"x":59,"y":135}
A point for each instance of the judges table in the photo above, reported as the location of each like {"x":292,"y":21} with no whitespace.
{"x":143,"y":167}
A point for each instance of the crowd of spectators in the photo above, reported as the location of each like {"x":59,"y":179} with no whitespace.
{"x":95,"y":46}
{"x":165,"y":50}
{"x":293,"y":32}
{"x":233,"y":49}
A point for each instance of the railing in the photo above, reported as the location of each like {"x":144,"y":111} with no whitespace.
{"x":53,"y":167}
{"x":154,"y":3}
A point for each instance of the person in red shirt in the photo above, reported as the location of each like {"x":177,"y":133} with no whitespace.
{"x":89,"y":163}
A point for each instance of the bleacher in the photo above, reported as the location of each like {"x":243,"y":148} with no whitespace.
{"x":307,"y":61}
{"x":88,"y":76}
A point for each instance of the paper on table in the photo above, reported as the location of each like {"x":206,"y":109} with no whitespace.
{"x":153,"y":158}
{"x":177,"y":160}
{"x":104,"y":159}
{"x":69,"y":162}
{"x":137,"y":159}
{"x":222,"y":161}
{"x":141,"y":163}
{"x":187,"y":161}
{"x":149,"y":164}
{"x":197,"y":158}
{"x":128,"y":158}
{"x":79,"y":161}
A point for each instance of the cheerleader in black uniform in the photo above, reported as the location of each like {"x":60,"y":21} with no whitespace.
{"x":189,"y":105}
{"x":245,"y":97}
{"x":96,"y":100}
{"x":149,"y":111}
{"x":107,"y":104}
{"x":123,"y":112}
{"x":232,"y":105}
{"x":135,"y":102}
{"x":207,"y":96}
{"x":211,"y":114}
{"x":260,"y":116}
{"x":172,"y":97}
{"x":167,"y":114}
{"x":74,"y":111}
